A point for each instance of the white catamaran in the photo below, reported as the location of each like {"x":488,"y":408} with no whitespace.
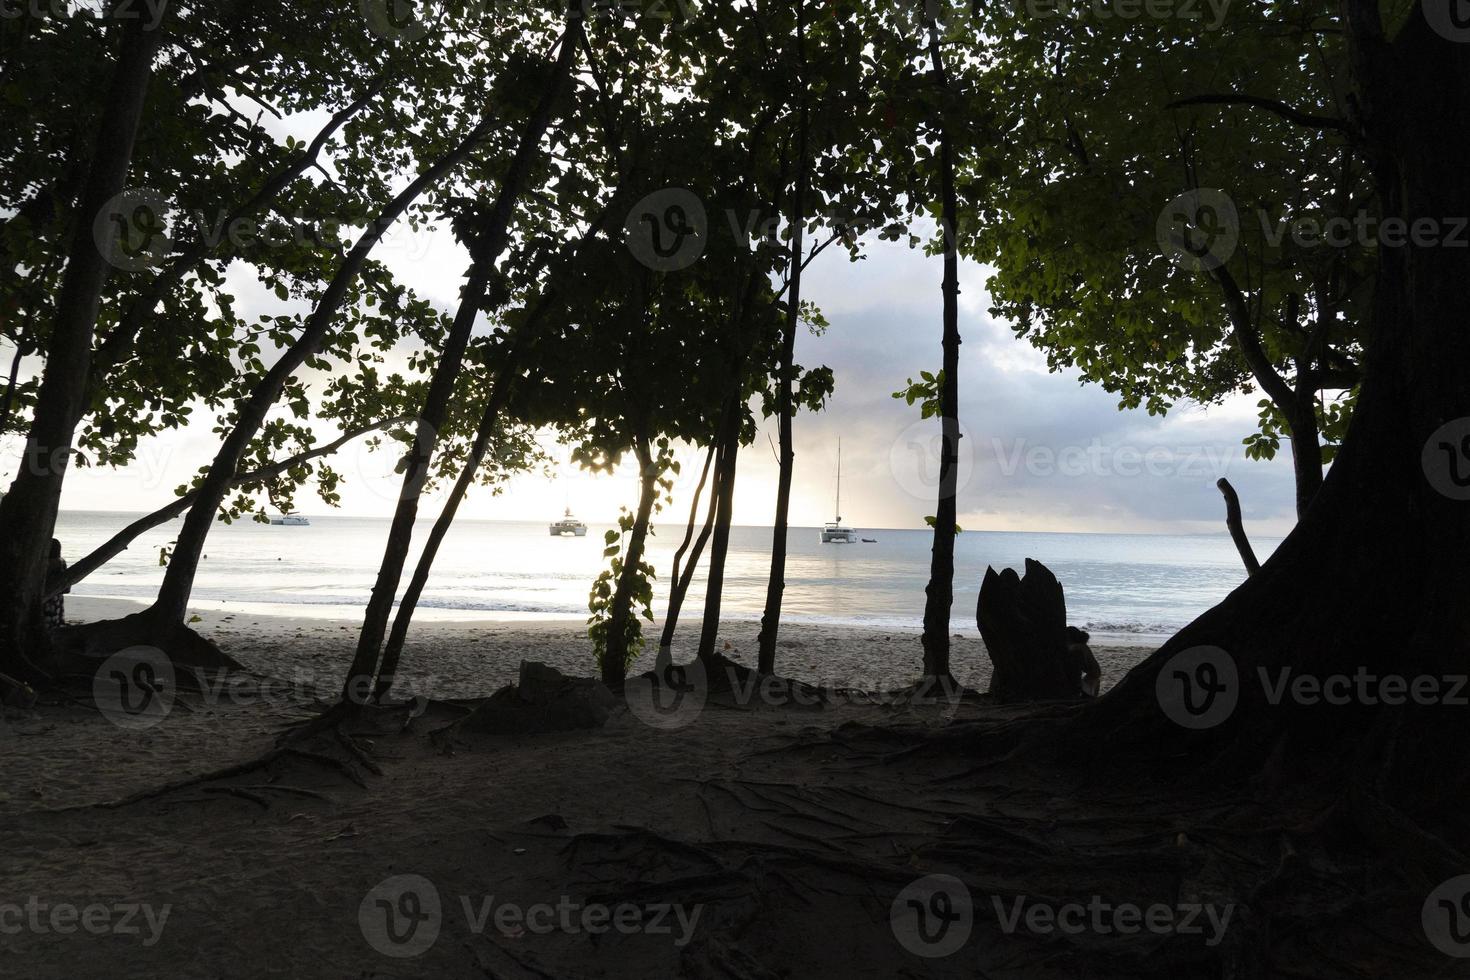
{"x":835,"y":532}
{"x":568,"y":525}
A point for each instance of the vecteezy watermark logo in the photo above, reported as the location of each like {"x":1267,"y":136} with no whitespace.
{"x":1450,"y":19}
{"x":1446,"y":459}
{"x":1198,"y":687}
{"x":1446,"y":917}
{"x":913,"y":459}
{"x":396,"y":20}
{"x":1127,"y":460}
{"x":1199,"y":230}
{"x":96,"y":919}
{"x":131,"y":231}
{"x":401,"y":916}
{"x":1103,"y":918}
{"x":1363,"y":687}
{"x":667,"y":230}
{"x":150,"y":11}
{"x":134,"y":688}
{"x":933,"y":916}
{"x":669,"y":699}
{"x":1134,"y":10}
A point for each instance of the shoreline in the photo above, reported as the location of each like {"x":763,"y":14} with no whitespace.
{"x":475,"y":657}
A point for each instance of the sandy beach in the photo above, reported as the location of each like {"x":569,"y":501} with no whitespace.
{"x":297,"y":667}
{"x":473,"y":658}
{"x":271,"y":871}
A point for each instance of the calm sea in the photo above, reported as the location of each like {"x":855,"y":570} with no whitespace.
{"x":1123,"y":587}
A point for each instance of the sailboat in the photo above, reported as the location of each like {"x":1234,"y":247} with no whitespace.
{"x":568,"y":525}
{"x":835,"y":532}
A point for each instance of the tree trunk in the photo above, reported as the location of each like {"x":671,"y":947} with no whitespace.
{"x":503,"y":385}
{"x":1306,"y":451}
{"x":939,"y":595}
{"x":28,"y":511}
{"x":776,"y":583}
{"x":178,"y":581}
{"x":724,"y":499}
{"x":681,"y":575}
{"x":393,"y":650}
{"x":489,"y":240}
{"x":9,"y":399}
{"x":615,"y":660}
{"x":1374,"y":577}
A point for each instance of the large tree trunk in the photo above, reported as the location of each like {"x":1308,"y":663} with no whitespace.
{"x":724,"y":492}
{"x":785,"y":408}
{"x":489,"y":240}
{"x":1374,"y":578}
{"x":615,"y":659}
{"x":28,"y":511}
{"x":939,"y":595}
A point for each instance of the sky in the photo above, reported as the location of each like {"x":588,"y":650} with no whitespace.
{"x":1040,"y":450}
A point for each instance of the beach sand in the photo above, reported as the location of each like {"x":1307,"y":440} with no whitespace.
{"x":270,"y":872}
{"x":473,"y":658}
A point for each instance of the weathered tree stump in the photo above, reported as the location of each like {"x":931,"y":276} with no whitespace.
{"x":1023,"y":621}
{"x":544,"y":700}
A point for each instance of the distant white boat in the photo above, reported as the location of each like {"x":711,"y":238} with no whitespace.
{"x":835,"y":532}
{"x":568,"y":525}
{"x":291,"y":520}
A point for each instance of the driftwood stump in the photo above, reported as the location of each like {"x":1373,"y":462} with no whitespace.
{"x":1023,"y":621}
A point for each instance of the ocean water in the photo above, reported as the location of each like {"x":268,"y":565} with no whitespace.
{"x":1119,"y":586}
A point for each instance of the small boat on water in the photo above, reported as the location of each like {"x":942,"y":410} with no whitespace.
{"x":568,"y":525}
{"x":835,"y":532}
{"x":290,"y":520}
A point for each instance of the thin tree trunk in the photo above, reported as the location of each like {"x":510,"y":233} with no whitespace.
{"x":724,"y":498}
{"x":28,"y":511}
{"x":178,"y":581}
{"x":119,"y":542}
{"x":939,"y":595}
{"x":680,"y":576}
{"x":488,"y":242}
{"x":10,"y":387}
{"x":776,"y":583}
{"x":1306,"y":451}
{"x":503,"y":386}
{"x":393,"y":650}
{"x":614,"y":661}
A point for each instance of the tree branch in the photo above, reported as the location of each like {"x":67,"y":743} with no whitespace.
{"x":119,"y":542}
{"x":1249,"y":343}
{"x":1272,"y":105}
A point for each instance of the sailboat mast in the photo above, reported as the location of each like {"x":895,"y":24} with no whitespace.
{"x":839,"y":479}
